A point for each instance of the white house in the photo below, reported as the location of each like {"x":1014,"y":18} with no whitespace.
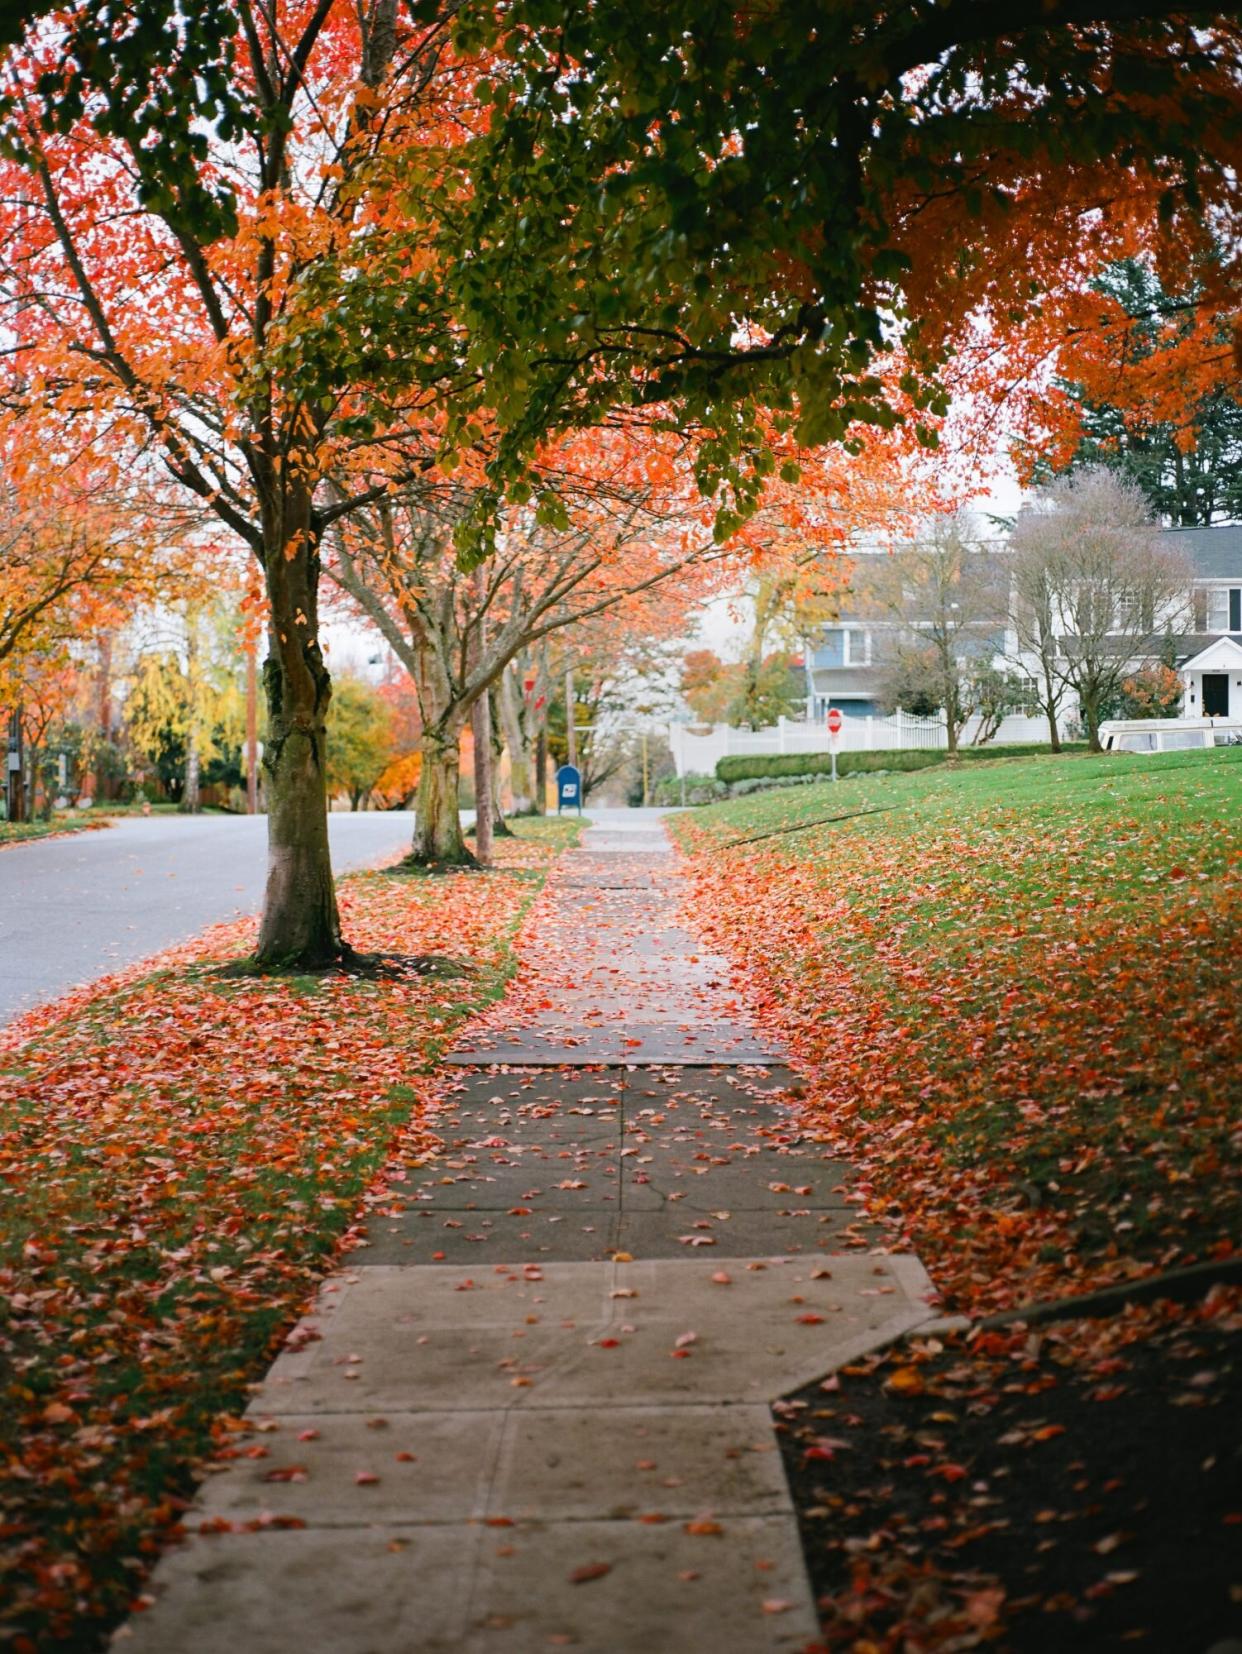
{"x":1210,"y":658}
{"x":845,"y":659}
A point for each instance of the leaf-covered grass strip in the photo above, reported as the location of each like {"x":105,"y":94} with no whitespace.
{"x":182,"y":1155}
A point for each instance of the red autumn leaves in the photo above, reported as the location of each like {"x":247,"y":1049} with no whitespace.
{"x":181,"y":1156}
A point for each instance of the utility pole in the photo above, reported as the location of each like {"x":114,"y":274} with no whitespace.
{"x":646,"y":786}
{"x":571,"y":713}
{"x":252,"y":725}
{"x":15,"y":777}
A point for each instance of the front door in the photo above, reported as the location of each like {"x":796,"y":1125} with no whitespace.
{"x":1216,"y":694}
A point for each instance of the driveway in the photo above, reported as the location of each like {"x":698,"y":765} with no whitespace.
{"x":74,"y":908}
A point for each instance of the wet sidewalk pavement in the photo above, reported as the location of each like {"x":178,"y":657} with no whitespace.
{"x":534,"y":1412}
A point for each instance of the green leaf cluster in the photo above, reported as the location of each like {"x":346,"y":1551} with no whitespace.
{"x":684,"y":207}
{"x":160,"y":74}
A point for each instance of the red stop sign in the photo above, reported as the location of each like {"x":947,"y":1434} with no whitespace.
{"x":834,"y":721}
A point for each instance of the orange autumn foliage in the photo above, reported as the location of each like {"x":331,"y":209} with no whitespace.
{"x":253,"y":362}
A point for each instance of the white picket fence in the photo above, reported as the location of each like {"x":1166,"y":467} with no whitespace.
{"x":696,"y":752}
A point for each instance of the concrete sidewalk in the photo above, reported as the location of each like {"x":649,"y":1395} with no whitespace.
{"x":534,"y":1411}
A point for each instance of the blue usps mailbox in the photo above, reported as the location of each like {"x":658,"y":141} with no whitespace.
{"x":568,"y":788}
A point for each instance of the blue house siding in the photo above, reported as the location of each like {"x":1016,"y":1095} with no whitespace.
{"x":830,"y":650}
{"x":864,"y":706}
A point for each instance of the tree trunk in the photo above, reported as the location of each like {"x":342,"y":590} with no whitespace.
{"x":1050,"y":706}
{"x":500,"y":827}
{"x":1089,"y":706}
{"x":483,"y":779}
{"x":191,"y":802}
{"x":543,"y":699}
{"x":950,"y":697}
{"x":36,"y":796}
{"x":438,"y":840}
{"x":1054,"y":734}
{"x":481,"y":728}
{"x":508,"y":723}
{"x":571,"y":719}
{"x":105,"y":711}
{"x":301,"y":928}
{"x":539,"y":802}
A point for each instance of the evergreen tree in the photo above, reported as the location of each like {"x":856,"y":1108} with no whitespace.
{"x":1189,"y":471}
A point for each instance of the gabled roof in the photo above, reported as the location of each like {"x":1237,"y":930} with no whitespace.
{"x":1216,"y":552}
{"x":1223,"y":654}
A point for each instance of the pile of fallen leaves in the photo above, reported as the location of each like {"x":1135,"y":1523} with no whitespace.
{"x":181,"y":1155}
{"x":1018,"y":1019}
{"x":1014,"y":1003}
{"x":1072,"y":1488}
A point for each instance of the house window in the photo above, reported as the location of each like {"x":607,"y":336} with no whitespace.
{"x":1134,"y":612}
{"x":831,"y":651}
{"x":1224,"y":609}
{"x":1030,"y":693}
{"x":843,"y":646}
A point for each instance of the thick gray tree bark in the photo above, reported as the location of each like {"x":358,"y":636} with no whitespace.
{"x":301,"y":927}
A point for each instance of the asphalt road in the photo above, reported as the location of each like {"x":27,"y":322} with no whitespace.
{"x":74,"y":908}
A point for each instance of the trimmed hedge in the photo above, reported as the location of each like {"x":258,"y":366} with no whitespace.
{"x":751,"y":766}
{"x":1019,"y":749}
{"x":688,"y":789}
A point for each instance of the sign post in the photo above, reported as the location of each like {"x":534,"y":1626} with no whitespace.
{"x":834,"y":736}
{"x":568,"y":788}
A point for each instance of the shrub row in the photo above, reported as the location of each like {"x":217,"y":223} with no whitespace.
{"x":769,"y":765}
{"x":765,"y":765}
{"x":688,"y":789}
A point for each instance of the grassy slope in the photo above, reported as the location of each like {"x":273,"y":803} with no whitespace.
{"x":1017,"y":984}
{"x":180,"y":1157}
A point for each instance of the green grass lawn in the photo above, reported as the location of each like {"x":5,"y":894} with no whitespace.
{"x":1015,"y":988}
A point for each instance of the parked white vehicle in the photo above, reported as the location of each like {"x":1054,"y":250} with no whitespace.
{"x":1169,"y":734}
